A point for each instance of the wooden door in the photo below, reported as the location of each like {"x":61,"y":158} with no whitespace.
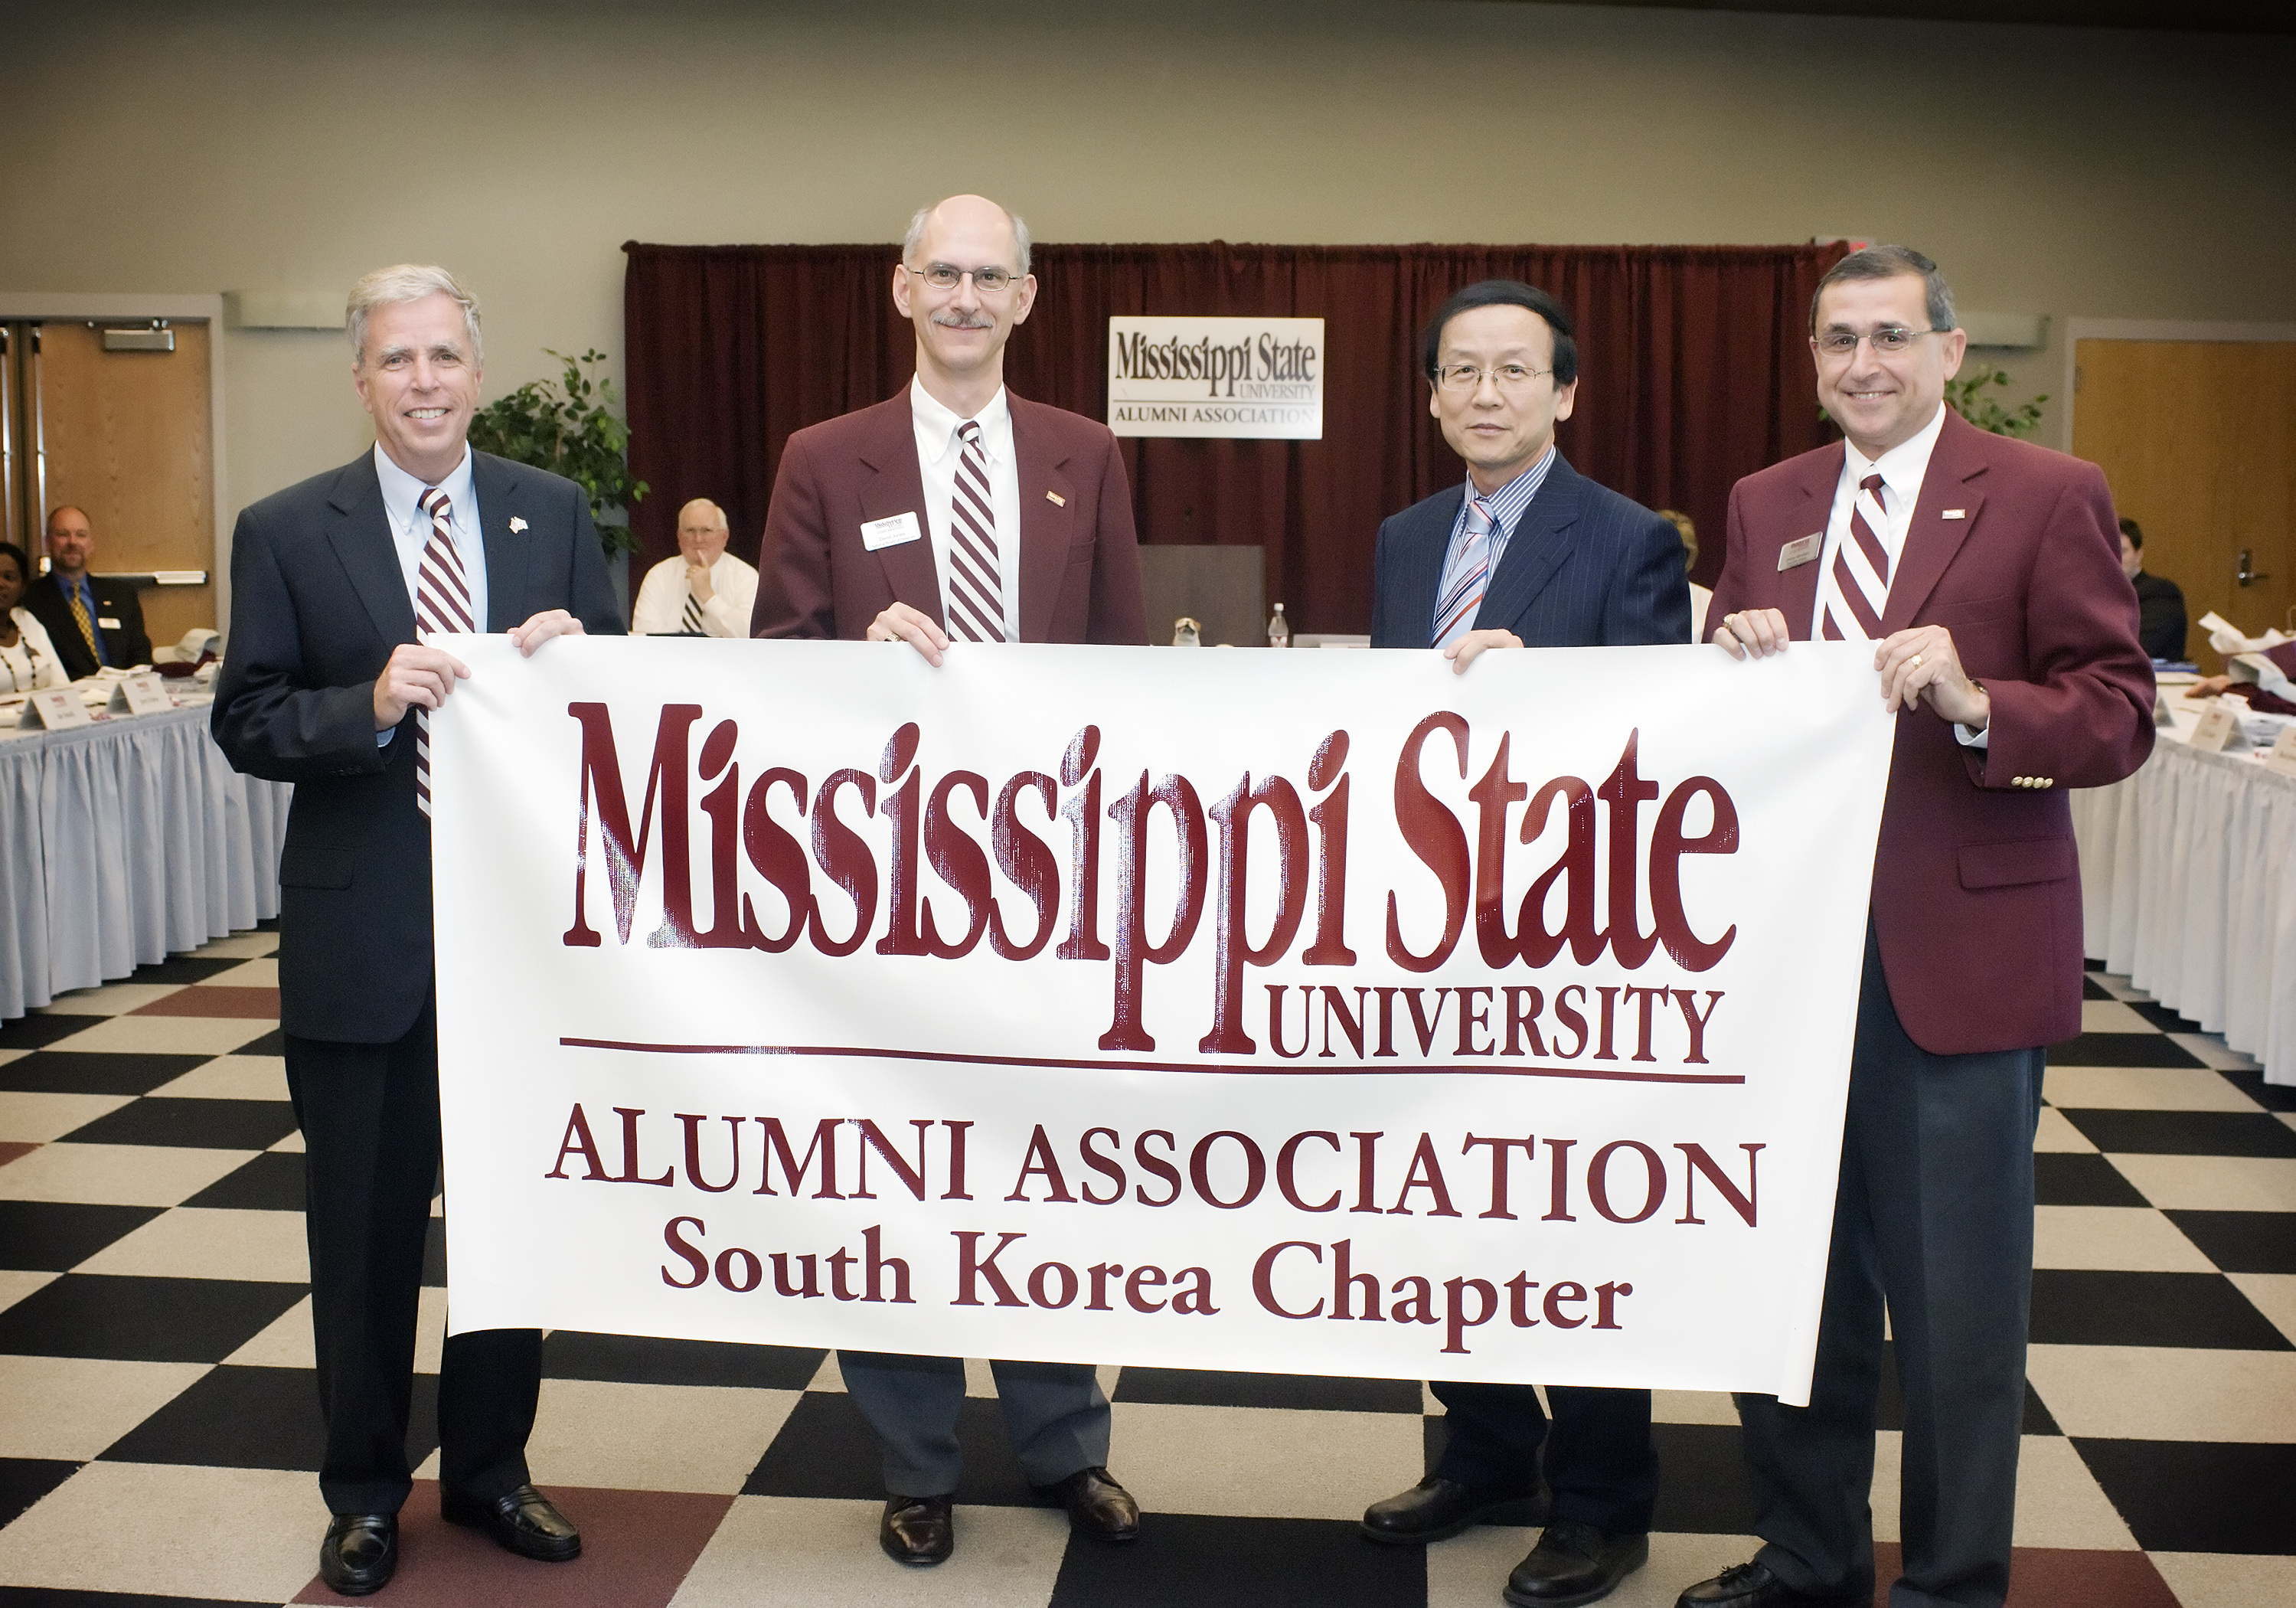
{"x":127,"y":442}
{"x":2198,"y":439}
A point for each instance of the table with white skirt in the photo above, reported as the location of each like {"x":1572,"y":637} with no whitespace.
{"x":2188,"y":888}
{"x":122,"y":842}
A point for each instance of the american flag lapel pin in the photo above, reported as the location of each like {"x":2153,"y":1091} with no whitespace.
{"x":516,"y":523}
{"x":1056,"y":499}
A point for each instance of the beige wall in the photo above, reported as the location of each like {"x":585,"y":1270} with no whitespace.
{"x":222,"y":147}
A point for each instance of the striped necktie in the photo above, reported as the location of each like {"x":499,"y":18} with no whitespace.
{"x":442,"y":604}
{"x":1464,"y":575}
{"x":976,"y":580}
{"x":692,"y":622}
{"x":1858,"y":586}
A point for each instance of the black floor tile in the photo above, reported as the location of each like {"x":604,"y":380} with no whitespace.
{"x":48,"y":1596}
{"x":2271,"y":1096}
{"x":270,"y":1182}
{"x":2160,"y":1016}
{"x":24,"y":1481}
{"x":2120,"y":1049}
{"x":142,"y":1319}
{"x":2184,"y":1132}
{"x":1701,"y":1480}
{"x":56,"y":1237}
{"x":1230,"y":1563}
{"x":273,"y":1043}
{"x":2079,"y":1307}
{"x":434,"y":1254}
{"x":2092,"y":965}
{"x":198,"y":1124}
{"x":257,"y":1419}
{"x":2198,"y":1496}
{"x":826,"y":1448}
{"x":636,"y":1359}
{"x":2075,"y":1179}
{"x":2242,"y":1242}
{"x":41,"y":1027}
{"x":87,"y":1072}
{"x":184,"y":969}
{"x":1194,"y":1387}
{"x":2093,"y":990}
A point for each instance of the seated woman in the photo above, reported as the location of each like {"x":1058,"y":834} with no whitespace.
{"x":27,"y":658}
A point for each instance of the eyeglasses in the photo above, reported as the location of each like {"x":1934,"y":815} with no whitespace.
{"x":1888,"y":341}
{"x":988,"y":282}
{"x":1511,"y":378}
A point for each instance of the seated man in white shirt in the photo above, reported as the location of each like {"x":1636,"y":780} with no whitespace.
{"x":705,"y":591}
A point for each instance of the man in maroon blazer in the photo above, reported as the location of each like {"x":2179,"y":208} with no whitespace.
{"x":957,"y":513}
{"x":1987,"y":573}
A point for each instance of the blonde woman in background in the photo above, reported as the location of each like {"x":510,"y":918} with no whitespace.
{"x":1700,"y":596}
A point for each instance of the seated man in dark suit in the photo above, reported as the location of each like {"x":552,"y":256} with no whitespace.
{"x":93,"y":620}
{"x":2159,"y":601}
{"x":1529,"y":552}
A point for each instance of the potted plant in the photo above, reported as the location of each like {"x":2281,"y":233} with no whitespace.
{"x":564,"y":426}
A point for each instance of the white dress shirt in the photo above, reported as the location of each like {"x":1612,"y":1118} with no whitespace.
{"x":938,"y":448}
{"x":410,"y":531}
{"x":1902,"y":469}
{"x":660,"y":607}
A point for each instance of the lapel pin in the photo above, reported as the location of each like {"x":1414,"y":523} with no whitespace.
{"x":1955,"y":513}
{"x":1056,"y":499}
{"x":516,"y":523}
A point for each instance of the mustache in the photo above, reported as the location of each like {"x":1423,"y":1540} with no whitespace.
{"x":963,"y":321}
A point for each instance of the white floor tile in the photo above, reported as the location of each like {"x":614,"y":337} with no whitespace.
{"x":788,"y":1552}
{"x":16,"y":1283}
{"x":252,"y":975}
{"x":2167,"y":1393}
{"x":2053,"y":1134}
{"x":2210,"y":1182}
{"x":285,"y":1342}
{"x":75,"y":1406}
{"x":2212,"y":1048}
{"x":2217,"y":1580}
{"x":2060,"y":1503}
{"x":166,"y":1035}
{"x":2112,"y":1016}
{"x":235,"y":1533}
{"x":2135,"y":1238}
{"x":231,"y":1078}
{"x":1265,"y":1463}
{"x":115,"y":1174}
{"x":110,"y":999}
{"x":2142,"y":1088}
{"x":39,"y":1118}
{"x":206,"y":1241}
{"x":652,"y":1437}
{"x":1692,"y":1406}
{"x":243,"y":946}
{"x":2273,"y":1294}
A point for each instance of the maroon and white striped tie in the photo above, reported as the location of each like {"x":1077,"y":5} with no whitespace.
{"x":1858,"y":586}
{"x":976,"y":581}
{"x":442,"y":604}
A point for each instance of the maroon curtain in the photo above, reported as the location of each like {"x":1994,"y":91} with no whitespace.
{"x":1694,"y":364}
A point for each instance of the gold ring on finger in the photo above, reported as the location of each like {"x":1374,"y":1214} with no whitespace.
{"x":1915,"y":663}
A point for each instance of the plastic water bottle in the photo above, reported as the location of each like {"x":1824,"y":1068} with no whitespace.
{"x":1279,"y":629}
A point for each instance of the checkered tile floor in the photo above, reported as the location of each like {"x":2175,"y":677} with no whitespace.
{"x":158,"y":1421}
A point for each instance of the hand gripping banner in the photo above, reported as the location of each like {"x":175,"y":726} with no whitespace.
{"x":1302,"y":1013}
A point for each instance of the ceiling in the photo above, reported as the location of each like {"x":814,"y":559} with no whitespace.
{"x":2190,"y":16}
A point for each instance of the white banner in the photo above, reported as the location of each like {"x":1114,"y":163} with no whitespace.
{"x":1298,"y":1012}
{"x":1250,"y":378}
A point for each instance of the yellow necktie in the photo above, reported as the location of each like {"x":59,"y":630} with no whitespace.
{"x":86,"y":627}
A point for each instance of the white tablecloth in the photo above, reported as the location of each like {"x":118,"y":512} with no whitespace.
{"x":2188,"y":887}
{"x":122,"y":842}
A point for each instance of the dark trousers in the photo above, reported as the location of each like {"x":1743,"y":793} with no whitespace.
{"x":1934,"y":1217}
{"x":1600,"y":1463}
{"x":369,"y":1119}
{"x":1054,"y":1415}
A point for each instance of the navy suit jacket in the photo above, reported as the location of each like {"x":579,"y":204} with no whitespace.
{"x":115,"y":600}
{"x":1585,"y":568}
{"x":318,"y":603}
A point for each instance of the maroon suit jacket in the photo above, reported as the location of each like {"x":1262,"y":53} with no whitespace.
{"x":1976,"y":890}
{"x":1080,"y":560}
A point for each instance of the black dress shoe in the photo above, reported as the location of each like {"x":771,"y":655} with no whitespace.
{"x":359,"y":1553}
{"x":1437,"y":1508}
{"x":1099,"y":1508}
{"x":918,"y":1531}
{"x":1573,"y":1563}
{"x":522,"y":1521}
{"x":1753,"y":1586}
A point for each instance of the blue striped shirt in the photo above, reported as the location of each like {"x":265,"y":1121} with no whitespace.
{"x":1507,"y":505}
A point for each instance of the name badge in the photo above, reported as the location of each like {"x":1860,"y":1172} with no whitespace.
{"x":1800,"y":551}
{"x":108,"y":625}
{"x":890,"y":533}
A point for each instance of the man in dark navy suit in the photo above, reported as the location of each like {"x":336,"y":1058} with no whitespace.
{"x":1529,"y":552}
{"x":328,"y":682}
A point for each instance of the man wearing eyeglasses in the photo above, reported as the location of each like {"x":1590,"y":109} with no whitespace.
{"x":1986,"y":572}
{"x":1528,"y":553}
{"x":954,"y":516}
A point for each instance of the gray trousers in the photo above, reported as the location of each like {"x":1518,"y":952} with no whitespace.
{"x":1934,"y":1215}
{"x":1054,"y":1412}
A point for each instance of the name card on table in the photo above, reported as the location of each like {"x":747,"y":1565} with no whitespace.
{"x":141,"y":694}
{"x":2220,"y":728}
{"x":56,"y":708}
{"x":2282,"y":756}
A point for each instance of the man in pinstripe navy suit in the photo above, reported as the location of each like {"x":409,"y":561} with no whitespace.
{"x":1529,"y":553}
